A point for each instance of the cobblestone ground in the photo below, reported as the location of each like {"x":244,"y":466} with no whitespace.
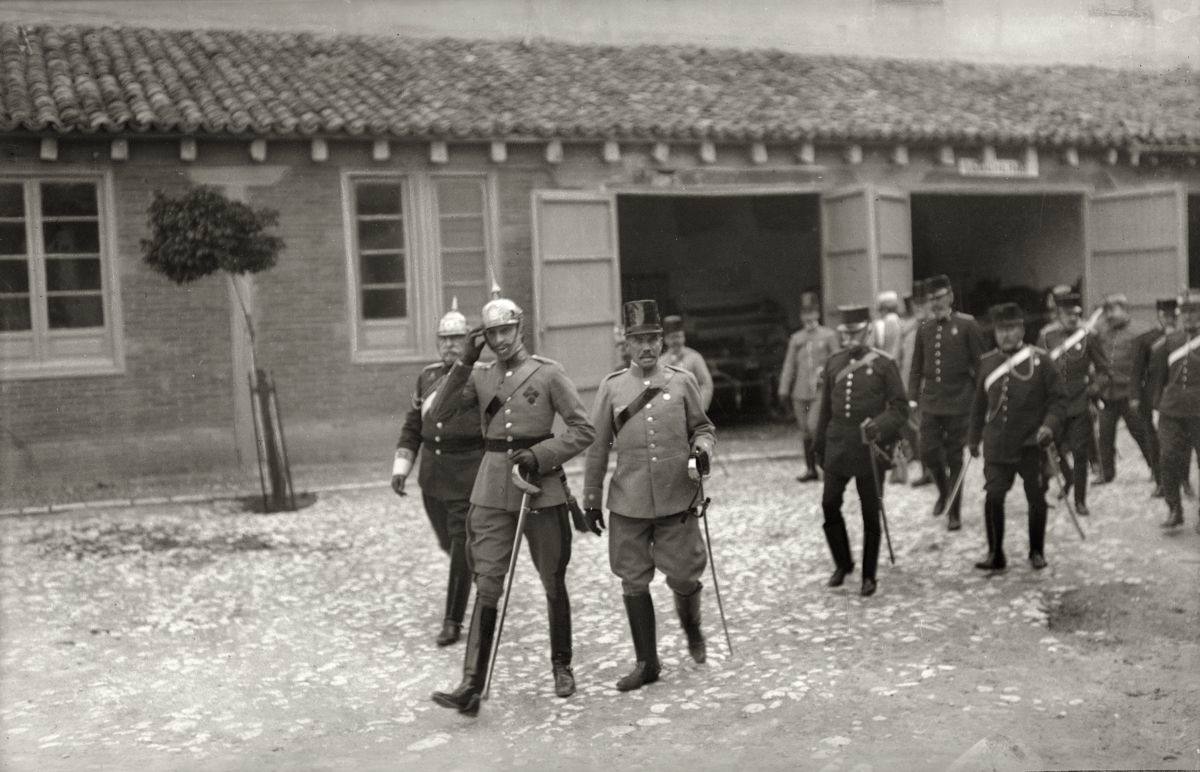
{"x":202,"y":637}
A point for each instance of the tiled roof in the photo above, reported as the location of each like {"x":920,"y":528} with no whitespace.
{"x":80,"y":79}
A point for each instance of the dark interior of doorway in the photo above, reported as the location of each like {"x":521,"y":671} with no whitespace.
{"x":998,"y":248}
{"x":1193,"y":227}
{"x":734,"y":267}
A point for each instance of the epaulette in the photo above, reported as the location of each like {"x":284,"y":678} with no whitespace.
{"x":1038,"y":350}
{"x":995,"y":353}
{"x":677,"y":368}
{"x":484,"y":365}
{"x":882,"y":353}
{"x":433,"y":366}
{"x":965,"y":317}
{"x":615,"y":373}
{"x":542,"y":359}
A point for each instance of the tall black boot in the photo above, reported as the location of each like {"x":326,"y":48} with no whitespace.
{"x":839,"y":547}
{"x":458,"y":589}
{"x":954,"y":519}
{"x":559,"y":608}
{"x":938,"y":471}
{"x":688,"y":608}
{"x":810,"y":464}
{"x":465,"y":698}
{"x":1037,"y":536}
{"x":993,"y":513}
{"x":640,"y":610}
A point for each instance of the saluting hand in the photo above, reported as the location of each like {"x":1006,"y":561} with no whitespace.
{"x":474,"y":347}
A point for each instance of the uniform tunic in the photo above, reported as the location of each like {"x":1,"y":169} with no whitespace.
{"x":858,"y":383}
{"x":691,"y":360}
{"x":1145,"y":391}
{"x":1014,"y":397}
{"x":1175,"y":367}
{"x":650,"y":496}
{"x":524,"y":401}
{"x":453,"y":450}
{"x":807,"y":352}
{"x":945,"y":359}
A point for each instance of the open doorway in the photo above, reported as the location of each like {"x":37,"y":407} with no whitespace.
{"x":998,"y":248}
{"x":734,"y":266}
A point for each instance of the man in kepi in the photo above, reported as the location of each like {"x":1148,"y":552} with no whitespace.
{"x":942,"y":384}
{"x":517,"y":398}
{"x":1019,"y":406}
{"x":862,"y":405}
{"x":653,"y":417}
{"x":452,"y":453}
{"x":808,"y":349}
{"x":1081,"y":362}
{"x":1144,"y":391}
{"x":1175,"y":369}
{"x":677,"y":354}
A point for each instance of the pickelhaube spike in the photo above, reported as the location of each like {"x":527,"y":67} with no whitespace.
{"x":453,"y":323}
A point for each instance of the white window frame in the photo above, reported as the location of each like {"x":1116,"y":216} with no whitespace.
{"x":110,"y":358}
{"x":424,"y":260}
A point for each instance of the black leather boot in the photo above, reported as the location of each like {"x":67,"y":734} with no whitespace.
{"x":688,"y":608}
{"x":1174,"y":518}
{"x":640,"y":610}
{"x":839,"y":547}
{"x":458,"y":589}
{"x":993,"y":516}
{"x":560,"y":643}
{"x":810,"y":463}
{"x":465,"y":698}
{"x":1037,"y":537}
{"x":943,"y":489}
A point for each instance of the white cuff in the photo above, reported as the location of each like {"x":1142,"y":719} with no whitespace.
{"x":401,"y":465}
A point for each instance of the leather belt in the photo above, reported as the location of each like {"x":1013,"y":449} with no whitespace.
{"x":457,"y":444}
{"x":514,"y":443}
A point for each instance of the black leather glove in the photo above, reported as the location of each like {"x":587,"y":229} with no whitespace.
{"x":527,"y":462}
{"x":870,"y":430}
{"x":473,"y":347}
{"x":594,"y":519}
{"x":398,"y":484}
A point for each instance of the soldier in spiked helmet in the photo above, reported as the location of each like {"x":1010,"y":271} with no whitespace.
{"x":516,"y":398}
{"x":652,"y":415}
{"x":453,"y":450}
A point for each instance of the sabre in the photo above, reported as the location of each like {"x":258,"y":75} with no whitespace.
{"x":879,"y":492}
{"x":962,"y":475}
{"x":1056,"y":464}
{"x":527,"y":489}
{"x":704,"y":502}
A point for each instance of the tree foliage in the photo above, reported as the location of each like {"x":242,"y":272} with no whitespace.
{"x":203,"y":231}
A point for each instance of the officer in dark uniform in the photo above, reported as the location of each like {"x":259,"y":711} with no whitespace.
{"x":1175,"y":369}
{"x":942,"y":383}
{"x":1018,"y":408}
{"x":862,"y":399}
{"x":1119,"y":338}
{"x":652,"y":415}
{"x":1083,"y":365}
{"x":516,"y":398}
{"x":453,"y":450}
{"x":1143,"y":389}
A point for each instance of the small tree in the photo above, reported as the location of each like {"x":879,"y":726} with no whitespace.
{"x":202,"y":232}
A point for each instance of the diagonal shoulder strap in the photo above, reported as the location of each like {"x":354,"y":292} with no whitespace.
{"x":1077,"y":336}
{"x":1006,"y":368}
{"x":1183,"y":350}
{"x":490,"y":411}
{"x":633,"y":408}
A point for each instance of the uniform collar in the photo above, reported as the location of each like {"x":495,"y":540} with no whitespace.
{"x":636,"y":371}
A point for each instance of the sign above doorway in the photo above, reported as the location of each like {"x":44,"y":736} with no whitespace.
{"x":988,"y":165}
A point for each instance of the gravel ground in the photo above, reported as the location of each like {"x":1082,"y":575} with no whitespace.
{"x":204,"y":637}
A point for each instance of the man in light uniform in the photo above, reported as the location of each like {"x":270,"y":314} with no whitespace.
{"x":1175,"y":370}
{"x":453,"y":450}
{"x":516,"y":398}
{"x":808,"y":349}
{"x":886,"y":330}
{"x":679,"y":355}
{"x":862,"y":400}
{"x":651,"y":415}
{"x":1019,"y":406}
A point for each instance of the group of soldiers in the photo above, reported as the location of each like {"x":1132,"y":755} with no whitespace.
{"x":491,"y":476}
{"x":1028,"y":410}
{"x":492,"y":472}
